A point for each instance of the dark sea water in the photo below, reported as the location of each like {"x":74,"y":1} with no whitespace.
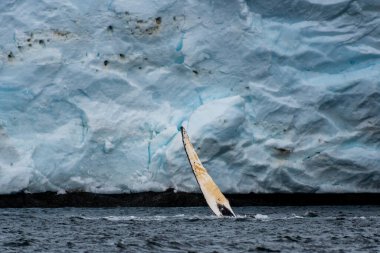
{"x":256,"y":229}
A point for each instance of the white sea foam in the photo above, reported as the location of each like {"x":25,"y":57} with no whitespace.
{"x":261,"y":217}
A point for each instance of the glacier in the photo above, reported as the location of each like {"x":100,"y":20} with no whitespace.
{"x":277,"y":96}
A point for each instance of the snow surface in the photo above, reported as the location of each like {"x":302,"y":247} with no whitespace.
{"x":277,"y":95}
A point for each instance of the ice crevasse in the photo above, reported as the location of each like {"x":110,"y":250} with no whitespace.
{"x":277,"y":96}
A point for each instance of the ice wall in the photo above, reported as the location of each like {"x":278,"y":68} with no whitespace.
{"x":278,"y":96}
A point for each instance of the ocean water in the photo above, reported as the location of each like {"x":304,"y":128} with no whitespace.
{"x":180,"y":229}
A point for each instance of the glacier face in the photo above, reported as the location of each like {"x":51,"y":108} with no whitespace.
{"x":278,"y":96}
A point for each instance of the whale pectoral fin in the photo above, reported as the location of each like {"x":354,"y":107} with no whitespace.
{"x":225,"y":211}
{"x":214,"y":197}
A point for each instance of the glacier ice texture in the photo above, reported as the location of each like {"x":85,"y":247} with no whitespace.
{"x":277,"y":96}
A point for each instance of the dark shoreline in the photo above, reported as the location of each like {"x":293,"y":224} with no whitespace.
{"x":171,"y":199}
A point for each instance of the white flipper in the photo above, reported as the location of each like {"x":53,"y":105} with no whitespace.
{"x":214,"y":197}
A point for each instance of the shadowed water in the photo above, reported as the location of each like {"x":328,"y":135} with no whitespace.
{"x":256,"y":229}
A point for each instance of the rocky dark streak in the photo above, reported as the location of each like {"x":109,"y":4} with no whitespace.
{"x":170,"y":198}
